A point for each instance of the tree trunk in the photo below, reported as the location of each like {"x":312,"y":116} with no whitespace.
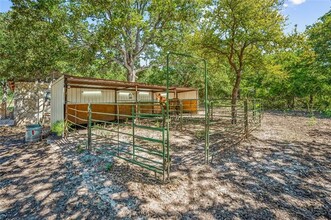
{"x":131,"y":75}
{"x":290,"y":102}
{"x":234,"y":98}
{"x":310,"y":104}
{"x":4,"y":99}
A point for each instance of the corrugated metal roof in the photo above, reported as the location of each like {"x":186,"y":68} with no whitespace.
{"x":86,"y":82}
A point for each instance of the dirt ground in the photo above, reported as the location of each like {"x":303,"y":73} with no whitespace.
{"x":283,"y":171}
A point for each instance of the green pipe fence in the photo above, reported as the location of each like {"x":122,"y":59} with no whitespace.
{"x":137,"y":135}
{"x":131,"y":136}
{"x":223,"y":132}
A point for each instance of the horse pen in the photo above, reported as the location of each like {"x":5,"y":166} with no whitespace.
{"x":139,"y":137}
{"x":140,"y":127}
{"x":197,"y":157}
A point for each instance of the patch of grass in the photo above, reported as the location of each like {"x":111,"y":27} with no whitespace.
{"x":80,"y":149}
{"x":108,"y":167}
{"x":200,"y":134}
{"x":312,"y":121}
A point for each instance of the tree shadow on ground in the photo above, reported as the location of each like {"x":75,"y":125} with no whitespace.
{"x":258,"y":179}
{"x":41,"y":181}
{"x":293,"y":177}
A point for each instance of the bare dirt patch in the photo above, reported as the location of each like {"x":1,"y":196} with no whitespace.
{"x":283,"y":171}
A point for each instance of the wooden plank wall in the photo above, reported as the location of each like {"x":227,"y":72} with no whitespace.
{"x":125,"y":111}
{"x":190,"y":106}
{"x":81,"y":116}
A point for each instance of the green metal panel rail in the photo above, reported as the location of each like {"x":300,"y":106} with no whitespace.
{"x":206,"y":121}
{"x":223,"y":132}
{"x":133,"y":137}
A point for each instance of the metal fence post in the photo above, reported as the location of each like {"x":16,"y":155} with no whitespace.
{"x":133,"y":134}
{"x":118,"y":128}
{"x":164,"y":164}
{"x":207,"y":122}
{"x":246,"y":118}
{"x":89,"y":128}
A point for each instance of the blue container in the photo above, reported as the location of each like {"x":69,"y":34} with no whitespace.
{"x":33,"y":133}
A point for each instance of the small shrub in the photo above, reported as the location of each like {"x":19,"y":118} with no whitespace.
{"x":312,"y":121}
{"x":97,"y":126}
{"x":200,"y":134}
{"x":10,"y":109}
{"x":80,"y":149}
{"x":327,"y":113}
{"x":58,"y":128}
{"x":108,"y":167}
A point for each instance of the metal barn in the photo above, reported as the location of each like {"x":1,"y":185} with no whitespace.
{"x":71,"y":92}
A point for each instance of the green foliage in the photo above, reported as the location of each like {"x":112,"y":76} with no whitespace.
{"x":36,"y":40}
{"x":296,"y":75}
{"x":108,"y":167}
{"x":312,"y":121}
{"x":80,"y":149}
{"x":241,"y":32}
{"x":327,"y":113}
{"x":200,"y":134}
{"x":319,"y":36}
{"x":242,"y":41}
{"x":58,"y":127}
{"x":157,"y":124}
{"x":132,"y":33}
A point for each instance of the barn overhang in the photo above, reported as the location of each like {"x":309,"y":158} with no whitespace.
{"x":94,"y":83}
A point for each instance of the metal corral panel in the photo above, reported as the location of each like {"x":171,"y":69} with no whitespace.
{"x":57,"y":100}
{"x":85,"y":95}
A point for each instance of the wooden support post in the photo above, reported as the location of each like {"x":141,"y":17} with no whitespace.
{"x":136,"y":97}
{"x":65,"y":108}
